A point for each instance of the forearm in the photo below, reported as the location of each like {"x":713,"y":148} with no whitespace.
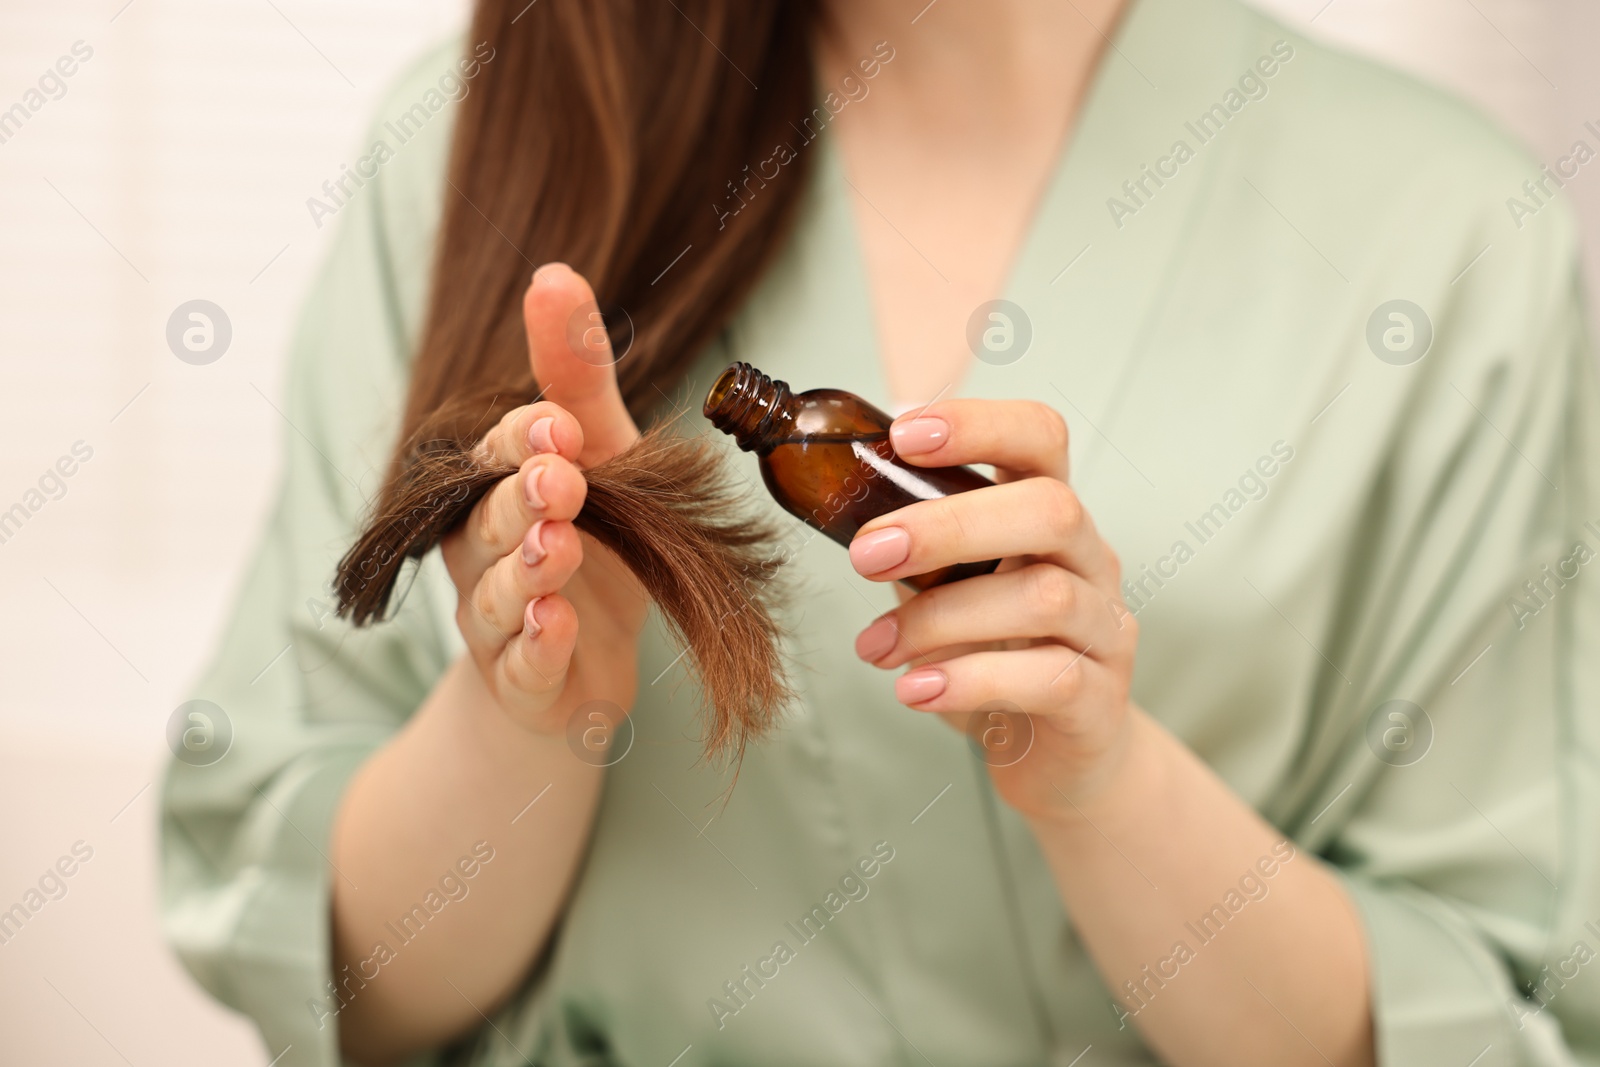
{"x":461,"y":772}
{"x":1276,"y":976}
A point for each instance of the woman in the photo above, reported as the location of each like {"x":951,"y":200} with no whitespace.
{"x":1311,"y":774}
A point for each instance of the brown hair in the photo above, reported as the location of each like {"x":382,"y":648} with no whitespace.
{"x":664,"y":508}
{"x":608,"y":135}
{"x":614,"y":136}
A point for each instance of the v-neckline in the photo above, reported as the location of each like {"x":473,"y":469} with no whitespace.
{"x":831,"y":171}
{"x":1075,"y":269}
{"x":1090,"y":286}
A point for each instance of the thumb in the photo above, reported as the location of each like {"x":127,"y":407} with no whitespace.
{"x":573,"y":362}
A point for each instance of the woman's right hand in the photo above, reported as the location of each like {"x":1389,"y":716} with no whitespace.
{"x":544,"y":637}
{"x":550,"y":617}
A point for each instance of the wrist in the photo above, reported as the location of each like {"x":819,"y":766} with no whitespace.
{"x":465,"y":707}
{"x":1129,"y":782}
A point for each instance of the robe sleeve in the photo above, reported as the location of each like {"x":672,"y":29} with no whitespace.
{"x":303,"y":698}
{"x":1470,"y":839}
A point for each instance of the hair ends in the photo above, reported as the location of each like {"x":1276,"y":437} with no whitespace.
{"x":664,"y":508}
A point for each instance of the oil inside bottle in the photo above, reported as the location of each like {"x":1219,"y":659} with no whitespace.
{"x":826,"y":458}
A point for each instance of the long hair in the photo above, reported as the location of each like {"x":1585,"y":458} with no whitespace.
{"x":614,"y":136}
{"x":619,"y":137}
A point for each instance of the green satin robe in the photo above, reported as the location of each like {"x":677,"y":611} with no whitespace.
{"x":1314,"y":523}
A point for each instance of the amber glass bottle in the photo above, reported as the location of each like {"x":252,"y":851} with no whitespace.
{"x":825,"y":456}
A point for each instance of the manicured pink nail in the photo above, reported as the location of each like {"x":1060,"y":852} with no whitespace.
{"x":915,"y":437}
{"x":530,"y":487}
{"x":532,"y":544}
{"x":880,"y":550}
{"x":920,"y":685}
{"x":530,"y":625}
{"x":541,"y":435}
{"x":878,"y":640}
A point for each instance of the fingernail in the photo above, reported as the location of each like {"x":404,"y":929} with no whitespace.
{"x":880,"y":550}
{"x":541,"y":435}
{"x":533,"y":544}
{"x":914,"y":437}
{"x":878,"y":640}
{"x":530,"y":488}
{"x":920,"y":685}
{"x":530,"y":625}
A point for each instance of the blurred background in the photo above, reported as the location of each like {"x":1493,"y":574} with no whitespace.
{"x":174,"y":165}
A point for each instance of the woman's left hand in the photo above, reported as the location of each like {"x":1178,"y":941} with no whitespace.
{"x":1046,"y":634}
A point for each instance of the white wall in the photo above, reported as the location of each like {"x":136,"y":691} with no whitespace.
{"x":1529,"y":63}
{"x":177,"y":166}
{"x":189,"y":142}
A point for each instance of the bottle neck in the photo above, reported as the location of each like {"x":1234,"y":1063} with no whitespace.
{"x":755,"y":409}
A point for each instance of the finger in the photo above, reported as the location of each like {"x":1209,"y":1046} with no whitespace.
{"x":1039,"y":602}
{"x":532,"y":670}
{"x":549,"y":555}
{"x":1038,"y":517}
{"x":1022,"y":438}
{"x":532,"y":430}
{"x":572,"y":359}
{"x":546,"y":487}
{"x":1042,"y":679}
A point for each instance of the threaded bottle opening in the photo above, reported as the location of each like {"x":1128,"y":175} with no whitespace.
{"x":747,"y":404}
